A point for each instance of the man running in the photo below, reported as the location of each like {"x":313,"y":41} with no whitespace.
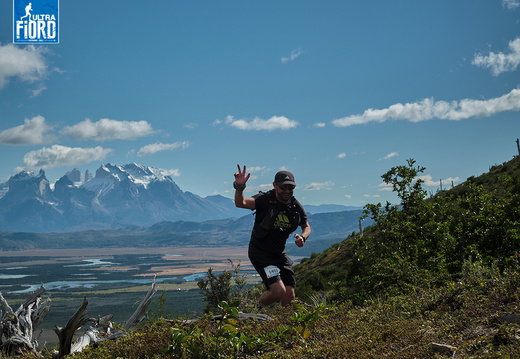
{"x":278,"y":214}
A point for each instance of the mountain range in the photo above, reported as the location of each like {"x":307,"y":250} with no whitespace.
{"x":116,"y":197}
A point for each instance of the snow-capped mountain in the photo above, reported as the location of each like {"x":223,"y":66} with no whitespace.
{"x":116,"y":197}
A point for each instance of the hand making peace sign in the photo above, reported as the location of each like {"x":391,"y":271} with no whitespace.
{"x":241,"y":177}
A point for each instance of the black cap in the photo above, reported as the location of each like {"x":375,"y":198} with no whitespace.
{"x":283,"y":178}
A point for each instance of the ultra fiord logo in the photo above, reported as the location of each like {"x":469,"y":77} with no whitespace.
{"x":35,"y":21}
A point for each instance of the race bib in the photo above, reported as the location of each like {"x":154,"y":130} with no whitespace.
{"x":271,"y":271}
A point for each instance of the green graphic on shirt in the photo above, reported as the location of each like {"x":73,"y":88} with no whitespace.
{"x":282,"y":222}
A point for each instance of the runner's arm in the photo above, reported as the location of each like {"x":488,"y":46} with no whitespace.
{"x":241,"y":202}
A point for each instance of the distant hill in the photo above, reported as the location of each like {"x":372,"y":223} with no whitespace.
{"x":328,"y":208}
{"x":328,"y":228}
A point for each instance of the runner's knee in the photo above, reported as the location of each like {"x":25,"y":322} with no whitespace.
{"x":278,"y":289}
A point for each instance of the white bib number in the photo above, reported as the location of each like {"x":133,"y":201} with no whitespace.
{"x":271,"y":271}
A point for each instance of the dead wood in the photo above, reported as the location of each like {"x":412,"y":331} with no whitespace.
{"x":140,"y":312}
{"x":17,"y":327}
{"x":66,"y":334}
{"x":101,"y":328}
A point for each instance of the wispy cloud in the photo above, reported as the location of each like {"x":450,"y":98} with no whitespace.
{"x":159,"y":146}
{"x":258,"y":124}
{"x":428,"y":181}
{"x":293,"y":56}
{"x":390,"y":155}
{"x":28,"y":64}
{"x":172,"y":173}
{"x":57,"y":156}
{"x":428,"y":109}
{"x":510,"y":4}
{"x":254,"y":170}
{"x":107,"y":129}
{"x":500,"y":62}
{"x":319,"y":125}
{"x":384,"y":187}
{"x":341,"y":155}
{"x":318,"y":186}
{"x":32,"y":132}
{"x":191,"y":125}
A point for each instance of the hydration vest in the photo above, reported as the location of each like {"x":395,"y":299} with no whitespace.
{"x":278,"y":217}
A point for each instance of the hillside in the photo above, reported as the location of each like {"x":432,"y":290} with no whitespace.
{"x":435,"y":277}
{"x":426,"y":239}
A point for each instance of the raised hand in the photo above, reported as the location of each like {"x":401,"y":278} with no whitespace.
{"x":241,"y":177}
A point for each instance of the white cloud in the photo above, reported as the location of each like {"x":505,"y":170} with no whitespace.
{"x":258,"y":124}
{"x":390,"y":155}
{"x":25,"y":63}
{"x":318,"y":186}
{"x":385,"y":187}
{"x":107,"y":129}
{"x":510,"y":4}
{"x":348,"y":196}
{"x":341,"y":155}
{"x":428,"y":181}
{"x":428,"y":109}
{"x":157,"y":147}
{"x":57,"y":156}
{"x":32,"y":132}
{"x":172,"y":173}
{"x":38,"y":91}
{"x":319,"y":125}
{"x":293,"y":56}
{"x":500,"y":62}
{"x":191,"y":125}
{"x":254,"y":169}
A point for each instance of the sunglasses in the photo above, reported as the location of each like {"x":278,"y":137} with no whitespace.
{"x":287,"y":187}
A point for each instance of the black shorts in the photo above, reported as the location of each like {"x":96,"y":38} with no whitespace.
{"x":273,"y":268}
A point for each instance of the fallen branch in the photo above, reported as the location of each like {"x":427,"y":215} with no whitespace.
{"x":139,"y":314}
{"x":66,"y":334}
{"x":17,"y":327}
{"x":101,"y":328}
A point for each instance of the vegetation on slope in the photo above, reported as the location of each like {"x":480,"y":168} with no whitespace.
{"x":423,"y":242}
{"x":466,"y":318}
{"x":434,"y":270}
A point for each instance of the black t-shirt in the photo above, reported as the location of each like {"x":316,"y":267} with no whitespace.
{"x":274,"y":222}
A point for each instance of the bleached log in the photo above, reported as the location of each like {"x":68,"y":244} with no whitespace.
{"x":139,"y":314}
{"x":41,"y":311}
{"x":17,"y":327}
{"x":101,"y":328}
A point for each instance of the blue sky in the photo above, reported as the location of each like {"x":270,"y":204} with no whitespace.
{"x":337,"y":92}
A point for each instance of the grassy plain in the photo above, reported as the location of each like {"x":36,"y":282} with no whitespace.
{"x":118,"y":298}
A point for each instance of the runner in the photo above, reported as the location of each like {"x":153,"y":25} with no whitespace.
{"x":278,"y":214}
